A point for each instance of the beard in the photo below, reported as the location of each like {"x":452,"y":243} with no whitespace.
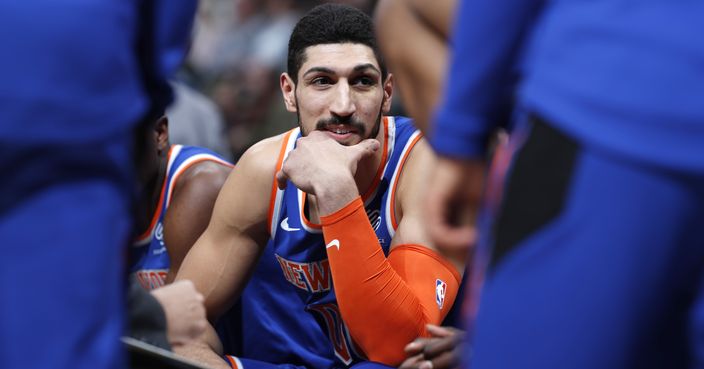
{"x":350,"y":120}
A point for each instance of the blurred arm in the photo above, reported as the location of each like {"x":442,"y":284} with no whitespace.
{"x":413,"y":35}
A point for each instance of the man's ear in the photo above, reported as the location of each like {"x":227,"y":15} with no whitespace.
{"x":288,"y":90}
{"x":388,"y":93}
{"x":161,"y":129}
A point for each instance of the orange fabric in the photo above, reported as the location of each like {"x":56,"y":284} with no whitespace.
{"x":232,"y":361}
{"x":157,"y":213}
{"x":183,"y":168}
{"x":385,"y":303}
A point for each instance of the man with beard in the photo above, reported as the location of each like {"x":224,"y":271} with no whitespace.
{"x":325,"y":220}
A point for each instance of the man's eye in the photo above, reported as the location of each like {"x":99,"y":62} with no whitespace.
{"x":320,"y":81}
{"x":365,"y":81}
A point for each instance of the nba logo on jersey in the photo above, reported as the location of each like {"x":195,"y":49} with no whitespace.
{"x":440,"y":288}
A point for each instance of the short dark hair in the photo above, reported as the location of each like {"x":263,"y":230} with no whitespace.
{"x":331,"y":24}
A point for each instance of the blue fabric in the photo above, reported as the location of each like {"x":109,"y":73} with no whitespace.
{"x":79,"y":70}
{"x":620,"y":75}
{"x":370,"y":365}
{"x":77,"y":77}
{"x":254,"y":364}
{"x":615,"y":281}
{"x":64,"y":226}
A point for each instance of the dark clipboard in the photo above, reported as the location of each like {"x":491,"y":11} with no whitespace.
{"x":143,"y":355}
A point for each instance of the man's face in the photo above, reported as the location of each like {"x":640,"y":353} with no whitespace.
{"x":340,"y":92}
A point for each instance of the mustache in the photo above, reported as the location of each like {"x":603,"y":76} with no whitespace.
{"x":357,"y":124}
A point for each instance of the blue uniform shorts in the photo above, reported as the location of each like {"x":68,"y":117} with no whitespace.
{"x":596,"y":262}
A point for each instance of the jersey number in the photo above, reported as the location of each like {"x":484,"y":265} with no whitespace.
{"x":337,"y":331}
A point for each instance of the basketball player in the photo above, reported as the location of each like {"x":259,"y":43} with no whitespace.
{"x":180,"y":185}
{"x":326,"y":218}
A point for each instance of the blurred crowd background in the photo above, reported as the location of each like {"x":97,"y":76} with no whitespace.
{"x":227,"y":93}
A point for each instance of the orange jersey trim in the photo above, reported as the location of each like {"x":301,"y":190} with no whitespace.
{"x":167,"y":191}
{"x":274,"y":186}
{"x":305,"y":220}
{"x":382,"y":164}
{"x":182,"y":169}
{"x":157,"y":213}
{"x":233,"y":361}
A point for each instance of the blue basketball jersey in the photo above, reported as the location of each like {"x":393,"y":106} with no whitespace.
{"x":289,"y":311}
{"x":149,"y":257}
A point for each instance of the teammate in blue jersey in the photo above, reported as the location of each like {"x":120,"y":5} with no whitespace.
{"x":180,"y":185}
{"x":596,"y":258}
{"x":77,"y":79}
{"x":326,"y":218}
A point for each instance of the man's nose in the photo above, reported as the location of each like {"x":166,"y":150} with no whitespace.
{"x":343,"y":101}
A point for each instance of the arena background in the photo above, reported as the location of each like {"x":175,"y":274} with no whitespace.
{"x":227,"y":92}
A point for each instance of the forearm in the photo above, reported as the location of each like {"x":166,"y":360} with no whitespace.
{"x":219,"y":266}
{"x":206,"y":350}
{"x":391,"y":297}
{"x":202,"y":354}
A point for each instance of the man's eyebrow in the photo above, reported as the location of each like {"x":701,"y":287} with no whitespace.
{"x":358,"y":68}
{"x":366,"y":66}
{"x":318,"y":69}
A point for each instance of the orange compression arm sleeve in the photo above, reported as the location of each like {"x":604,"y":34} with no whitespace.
{"x":385,"y":303}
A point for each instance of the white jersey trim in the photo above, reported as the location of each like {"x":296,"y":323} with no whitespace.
{"x":394,"y":182}
{"x":279,"y":192}
{"x":184,"y":166}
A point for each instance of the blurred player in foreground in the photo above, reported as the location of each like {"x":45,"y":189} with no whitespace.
{"x":597,"y":255}
{"x":78,"y":77}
